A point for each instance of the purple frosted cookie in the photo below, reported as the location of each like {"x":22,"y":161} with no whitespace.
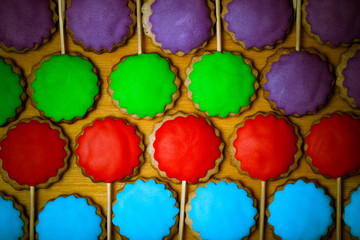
{"x":297,"y":83}
{"x":179,"y":27}
{"x":348,"y":76}
{"x":100,"y":26}
{"x":25,"y":24}
{"x":248,"y":21}
{"x":333,"y":22}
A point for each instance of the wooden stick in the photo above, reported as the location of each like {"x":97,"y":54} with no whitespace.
{"x":182,"y":209}
{"x":61,"y":7}
{"x":338,"y":208}
{"x":139,"y":29}
{"x":294,"y":5}
{"x":262,"y":210}
{"x":218,"y":26}
{"x":32,"y":212}
{"x":298,"y":24}
{"x":109,"y":211}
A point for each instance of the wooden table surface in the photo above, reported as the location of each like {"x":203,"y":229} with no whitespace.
{"x":74,"y":182}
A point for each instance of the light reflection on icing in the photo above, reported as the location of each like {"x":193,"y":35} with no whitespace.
{"x":222,"y":211}
{"x":301,"y":211}
{"x":145,"y":210}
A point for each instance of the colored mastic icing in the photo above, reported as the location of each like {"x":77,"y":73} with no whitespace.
{"x":33,"y":153}
{"x":69,"y":217}
{"x":348,"y":76}
{"x":352,"y":76}
{"x":265,"y":146}
{"x":179,"y":26}
{"x":332,"y":145}
{"x":351,"y":213}
{"x":109,"y":150}
{"x":11,"y":224}
{"x":297,"y":83}
{"x":25,"y":24}
{"x":221,"y":211}
{"x":100,"y":25}
{"x":144,"y":85}
{"x":11,"y":91}
{"x":65,"y":87}
{"x":331,"y":22}
{"x":257,"y":23}
{"x":221,"y":84}
{"x":145,"y":210}
{"x":185,"y":148}
{"x":300,"y":211}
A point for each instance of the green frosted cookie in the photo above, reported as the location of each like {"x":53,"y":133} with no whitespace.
{"x":65,"y":87}
{"x":144,"y":85}
{"x":221,"y":84}
{"x":11,"y":91}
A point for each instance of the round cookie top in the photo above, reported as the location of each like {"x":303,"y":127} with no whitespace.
{"x":332,"y":145}
{"x":304,"y":207}
{"x":225,"y":201}
{"x":33,"y":153}
{"x":265,"y":146}
{"x":109,"y":150}
{"x":221,"y":84}
{"x":65,"y":87}
{"x":100,"y":25}
{"x":331,"y":22}
{"x":69,"y":217}
{"x":11,"y":91}
{"x":145,"y":210}
{"x":144,"y":85}
{"x":297,"y":82}
{"x":200,"y":152}
{"x":179,"y":26}
{"x":11,"y":224}
{"x":249,"y":21}
{"x":25,"y":24}
{"x":348,"y":76}
{"x":351,"y":213}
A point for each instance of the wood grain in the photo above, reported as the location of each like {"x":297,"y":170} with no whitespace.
{"x":73,"y":180}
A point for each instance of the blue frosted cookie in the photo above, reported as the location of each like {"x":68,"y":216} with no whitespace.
{"x":12,"y":220}
{"x":145,"y":210}
{"x":352,"y":213}
{"x":70,"y":217}
{"x":223,"y":210}
{"x":300,"y":210}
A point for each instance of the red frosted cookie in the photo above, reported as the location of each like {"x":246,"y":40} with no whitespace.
{"x":185,"y":148}
{"x":34,"y":152}
{"x":109,"y":150}
{"x":265,"y":146}
{"x":332,"y":145}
